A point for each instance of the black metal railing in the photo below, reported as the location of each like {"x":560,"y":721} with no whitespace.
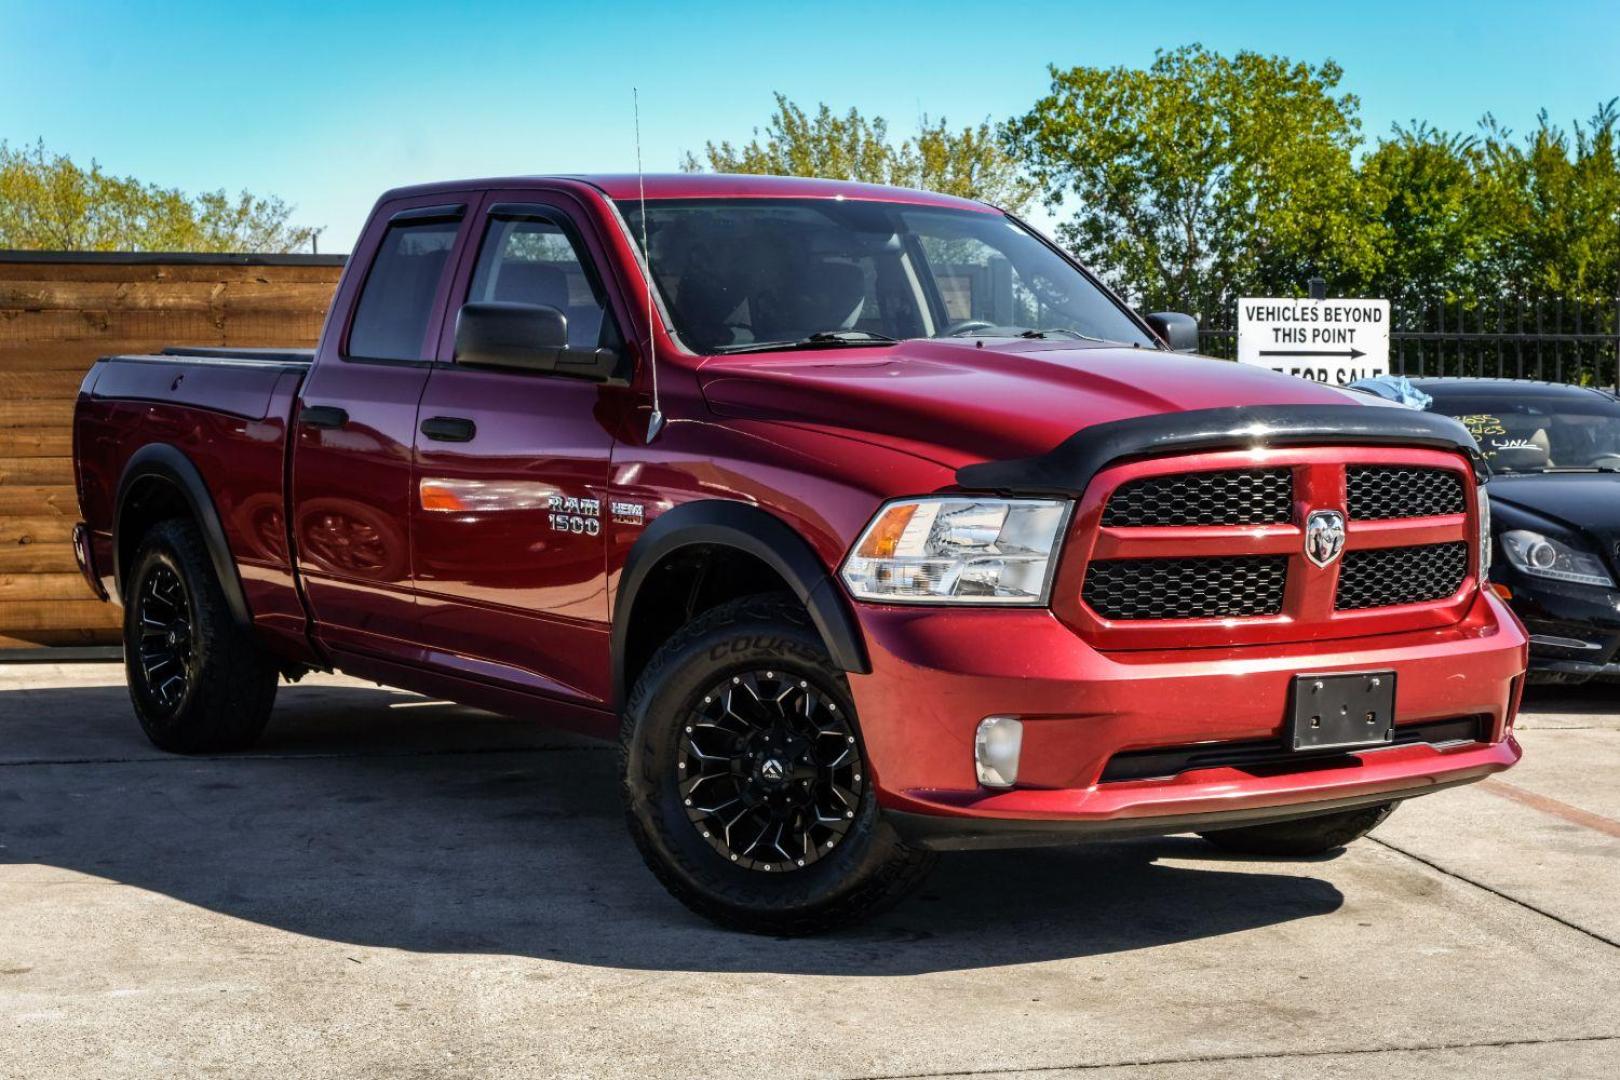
{"x":1542,"y":338}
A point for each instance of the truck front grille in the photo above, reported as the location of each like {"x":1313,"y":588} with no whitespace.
{"x":1227,"y":497}
{"x":1377,"y":492}
{"x":1384,"y":577}
{"x":1210,"y":550}
{"x":1218,"y":588}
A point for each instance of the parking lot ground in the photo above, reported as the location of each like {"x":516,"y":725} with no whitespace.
{"x":391,"y":886}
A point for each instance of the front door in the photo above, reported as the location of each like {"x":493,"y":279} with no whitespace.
{"x":351,"y":466}
{"x":509,"y":520}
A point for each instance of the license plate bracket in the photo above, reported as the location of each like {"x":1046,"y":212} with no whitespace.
{"x":1342,"y":711}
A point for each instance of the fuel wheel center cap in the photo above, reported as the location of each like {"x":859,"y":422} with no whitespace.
{"x":772,"y":770}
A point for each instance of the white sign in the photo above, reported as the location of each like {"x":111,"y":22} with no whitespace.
{"x":1328,"y":341}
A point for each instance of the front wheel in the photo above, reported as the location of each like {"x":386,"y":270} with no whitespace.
{"x":745,"y":783}
{"x":1307,"y":836}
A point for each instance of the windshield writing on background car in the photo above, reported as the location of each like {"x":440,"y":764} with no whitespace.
{"x":748,"y":273}
{"x":1536,"y":435}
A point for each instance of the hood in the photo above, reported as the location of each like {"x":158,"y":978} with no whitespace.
{"x":964,"y":401}
{"x":1580,"y":502}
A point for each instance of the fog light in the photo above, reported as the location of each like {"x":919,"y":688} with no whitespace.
{"x":995,"y":750}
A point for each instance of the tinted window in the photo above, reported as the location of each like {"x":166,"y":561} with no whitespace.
{"x":535,"y":262}
{"x":737,"y":273}
{"x":391,"y":319}
{"x":1524,"y":432}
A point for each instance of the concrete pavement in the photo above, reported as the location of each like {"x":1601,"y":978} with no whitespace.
{"x":391,"y":886}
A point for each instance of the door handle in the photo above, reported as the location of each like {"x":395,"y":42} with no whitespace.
{"x":449,"y":429}
{"x":323,"y":416}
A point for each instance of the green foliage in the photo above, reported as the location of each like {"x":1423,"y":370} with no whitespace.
{"x":1202,"y":177}
{"x":969,"y":162}
{"x":48,"y":202}
{"x":1205,"y":177}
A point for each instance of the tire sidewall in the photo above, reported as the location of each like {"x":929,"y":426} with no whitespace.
{"x":658,"y":709}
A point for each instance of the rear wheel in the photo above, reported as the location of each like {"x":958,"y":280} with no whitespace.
{"x":1307,"y":836}
{"x":745,"y":782}
{"x":199,"y":681}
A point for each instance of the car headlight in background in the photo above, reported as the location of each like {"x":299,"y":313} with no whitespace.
{"x":958,"y":550}
{"x":1543,"y":557}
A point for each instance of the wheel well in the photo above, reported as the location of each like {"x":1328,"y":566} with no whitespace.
{"x":150,"y":500}
{"x":686,"y":583}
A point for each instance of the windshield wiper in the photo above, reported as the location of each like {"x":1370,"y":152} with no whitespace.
{"x":822,"y":339}
{"x":1065,"y":330}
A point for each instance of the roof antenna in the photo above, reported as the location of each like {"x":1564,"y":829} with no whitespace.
{"x":656,"y":421}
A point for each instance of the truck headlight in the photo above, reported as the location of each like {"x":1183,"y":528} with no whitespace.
{"x":958,"y":550}
{"x":1484,"y":536}
{"x":1543,"y":557}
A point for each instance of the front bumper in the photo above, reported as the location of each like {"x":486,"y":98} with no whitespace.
{"x":937,"y":672}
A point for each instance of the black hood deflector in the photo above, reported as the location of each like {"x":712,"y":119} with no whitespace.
{"x":1069,"y":467}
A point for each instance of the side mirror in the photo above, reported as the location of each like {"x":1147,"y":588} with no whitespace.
{"x":1176,"y":330}
{"x":526,"y":337}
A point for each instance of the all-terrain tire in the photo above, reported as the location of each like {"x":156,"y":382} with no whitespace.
{"x":1307,"y":836}
{"x":213,"y":685}
{"x":869,"y":868}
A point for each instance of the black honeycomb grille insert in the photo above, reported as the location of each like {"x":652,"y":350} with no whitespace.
{"x":1231,"y":497}
{"x":1384,"y":577}
{"x":1402,"y":491}
{"x":1211,"y":588}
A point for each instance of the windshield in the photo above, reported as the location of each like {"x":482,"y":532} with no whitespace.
{"x":746,"y":274}
{"x":1538,"y":433}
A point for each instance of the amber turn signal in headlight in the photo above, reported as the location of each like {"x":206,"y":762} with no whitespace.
{"x":958,"y":550}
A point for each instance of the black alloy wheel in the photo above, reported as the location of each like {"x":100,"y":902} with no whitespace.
{"x":165,"y":654}
{"x":769,"y":770}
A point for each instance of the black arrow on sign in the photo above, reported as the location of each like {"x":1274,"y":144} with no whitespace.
{"x":1352,"y":353}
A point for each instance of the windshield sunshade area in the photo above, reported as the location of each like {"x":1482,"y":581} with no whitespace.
{"x":1537,"y":434}
{"x":746,"y":274}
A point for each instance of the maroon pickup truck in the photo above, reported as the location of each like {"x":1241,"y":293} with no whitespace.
{"x":864,"y":520}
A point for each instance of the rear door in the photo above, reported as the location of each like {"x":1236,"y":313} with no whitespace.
{"x":509,"y":523}
{"x":351,"y":465}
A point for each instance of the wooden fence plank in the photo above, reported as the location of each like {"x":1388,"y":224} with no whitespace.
{"x":17,"y":617}
{"x":36,"y":470}
{"x":49,"y":587}
{"x":36,"y":530}
{"x":37,"y":559}
{"x":33,"y":414}
{"x":38,"y":500}
{"x":22,"y":443}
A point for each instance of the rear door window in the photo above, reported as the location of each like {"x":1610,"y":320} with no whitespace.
{"x":396,"y":302}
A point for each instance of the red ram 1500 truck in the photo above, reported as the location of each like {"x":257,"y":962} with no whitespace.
{"x":865,"y":520}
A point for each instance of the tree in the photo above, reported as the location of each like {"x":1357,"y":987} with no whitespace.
{"x":1202,"y":177}
{"x":1556,"y":201}
{"x":49,"y":202}
{"x":968,"y":162}
{"x":1435,"y":224}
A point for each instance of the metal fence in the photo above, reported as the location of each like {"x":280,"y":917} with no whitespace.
{"x":1550,"y":339}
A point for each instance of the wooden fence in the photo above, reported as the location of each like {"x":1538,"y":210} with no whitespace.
{"x":58,"y":313}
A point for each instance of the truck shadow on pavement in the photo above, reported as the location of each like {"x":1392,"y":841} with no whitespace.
{"x":378,"y":819}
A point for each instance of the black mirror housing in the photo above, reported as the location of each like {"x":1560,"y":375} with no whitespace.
{"x":527,"y":337}
{"x":1178,"y":331}
{"x":504,"y":335}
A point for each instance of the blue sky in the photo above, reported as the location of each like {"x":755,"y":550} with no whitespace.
{"x":326,"y":104}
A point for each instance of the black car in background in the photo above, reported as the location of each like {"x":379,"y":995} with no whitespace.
{"x":1554,"y":453}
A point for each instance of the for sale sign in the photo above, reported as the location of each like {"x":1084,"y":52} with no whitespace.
{"x":1328,"y":341}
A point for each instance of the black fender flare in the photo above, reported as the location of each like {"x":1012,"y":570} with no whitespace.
{"x":726,"y":523}
{"x":168,"y":463}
